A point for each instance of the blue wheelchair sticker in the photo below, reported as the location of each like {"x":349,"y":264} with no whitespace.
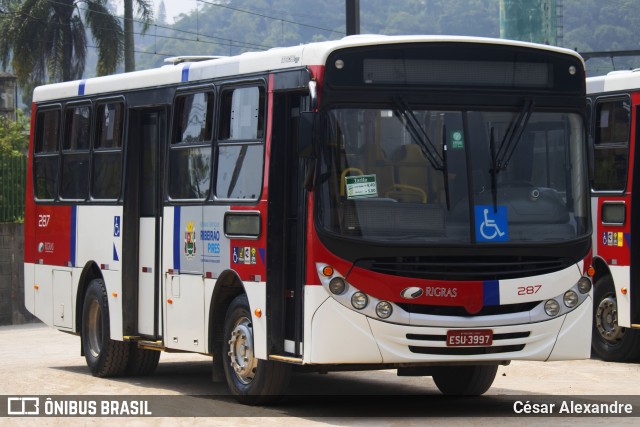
{"x":116,"y":226}
{"x":491,"y":224}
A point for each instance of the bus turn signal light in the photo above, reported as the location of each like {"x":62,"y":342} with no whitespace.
{"x":624,"y":291}
{"x":591,"y":271}
{"x":258,"y":312}
{"x":327,"y":271}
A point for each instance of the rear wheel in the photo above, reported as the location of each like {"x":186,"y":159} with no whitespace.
{"x":465,"y":380}
{"x":251,"y":380}
{"x":105,"y":357}
{"x":611,"y":342}
{"x":142,"y":362}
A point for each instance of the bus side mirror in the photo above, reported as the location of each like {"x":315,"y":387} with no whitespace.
{"x":305,"y":134}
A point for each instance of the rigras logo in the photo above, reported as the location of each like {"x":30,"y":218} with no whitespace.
{"x":412,"y":292}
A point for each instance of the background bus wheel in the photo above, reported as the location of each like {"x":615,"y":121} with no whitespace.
{"x":465,"y":380}
{"x":105,"y":357}
{"x":141,"y":361}
{"x":252,"y":381}
{"x":611,"y":342}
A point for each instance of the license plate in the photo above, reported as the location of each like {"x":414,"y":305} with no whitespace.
{"x":469,"y":337}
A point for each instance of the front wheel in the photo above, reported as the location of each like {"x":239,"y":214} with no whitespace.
{"x":465,"y":380}
{"x":610,"y":341}
{"x":105,"y":357}
{"x":251,"y":380}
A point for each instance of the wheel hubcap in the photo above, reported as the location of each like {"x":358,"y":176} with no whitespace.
{"x":607,"y":320}
{"x":241,"y":355}
{"x":94,"y":328}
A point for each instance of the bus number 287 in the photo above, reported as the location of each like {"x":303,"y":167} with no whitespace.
{"x":528,"y":290}
{"x":43,"y":220}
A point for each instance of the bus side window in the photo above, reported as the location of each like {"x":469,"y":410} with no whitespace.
{"x":190,"y":151}
{"x":45,"y":167}
{"x":241,"y":144}
{"x":75,"y":153}
{"x":611,"y":145}
{"x":107,"y":152}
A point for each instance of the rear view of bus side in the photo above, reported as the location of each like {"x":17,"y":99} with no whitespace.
{"x":412,"y":203}
{"x":614,"y":105}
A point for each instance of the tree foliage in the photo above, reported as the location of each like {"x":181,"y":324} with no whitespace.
{"x":48,"y":42}
{"x":223,"y":27}
{"x":14,"y":135}
{"x":144,"y":13}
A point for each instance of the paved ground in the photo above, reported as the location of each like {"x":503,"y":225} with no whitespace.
{"x":38,"y":360}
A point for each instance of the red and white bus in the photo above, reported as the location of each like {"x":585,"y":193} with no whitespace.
{"x":614,"y":105}
{"x":411,"y":203}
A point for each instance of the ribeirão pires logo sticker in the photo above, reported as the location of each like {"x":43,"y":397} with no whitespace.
{"x":190,"y":240}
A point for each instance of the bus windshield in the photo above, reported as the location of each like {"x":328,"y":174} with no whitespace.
{"x":453,"y":176}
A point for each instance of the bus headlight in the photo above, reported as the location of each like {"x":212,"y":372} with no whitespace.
{"x":570,"y":299}
{"x":337,"y":285}
{"x":552,"y":308}
{"x":384,"y":309}
{"x":584,"y":285}
{"x":359,"y":300}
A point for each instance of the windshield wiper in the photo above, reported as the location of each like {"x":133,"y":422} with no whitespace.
{"x":512,"y":137}
{"x":445,"y":167}
{"x":500,"y":159}
{"x":418,"y":133}
{"x":494,"y":169}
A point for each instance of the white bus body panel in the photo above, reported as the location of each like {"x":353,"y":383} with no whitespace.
{"x":63,"y":307}
{"x":186,"y":318}
{"x":43,"y":298}
{"x":29,"y":289}
{"x":99,"y":239}
{"x":146,"y":276}
{"x":184,"y":312}
{"x":570,"y":343}
{"x":340,"y":335}
{"x":251,"y":62}
{"x":367,"y":340}
{"x":621,"y":275}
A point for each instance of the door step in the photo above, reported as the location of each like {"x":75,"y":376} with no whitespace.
{"x":288,"y":359}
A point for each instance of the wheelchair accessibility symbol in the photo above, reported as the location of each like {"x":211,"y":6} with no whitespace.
{"x":491,"y":224}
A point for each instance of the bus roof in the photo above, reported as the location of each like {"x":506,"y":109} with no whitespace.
{"x":614,"y":81}
{"x":246,"y":63}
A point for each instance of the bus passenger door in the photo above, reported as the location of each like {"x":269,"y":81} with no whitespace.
{"x":286,"y":229}
{"x":143,"y":222}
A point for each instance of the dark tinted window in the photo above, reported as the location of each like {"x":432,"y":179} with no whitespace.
{"x":190,"y":152}
{"x":240,"y":151}
{"x":107,"y":151}
{"x":75,"y":153}
{"x":194,"y":113}
{"x":611,"y":148}
{"x":45,"y":163}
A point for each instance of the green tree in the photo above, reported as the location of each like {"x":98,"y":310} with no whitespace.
{"x":145,"y":14}
{"x":47,"y":39}
{"x":14,"y":135}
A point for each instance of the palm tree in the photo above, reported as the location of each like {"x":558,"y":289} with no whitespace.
{"x":48,"y":40}
{"x":145,"y":13}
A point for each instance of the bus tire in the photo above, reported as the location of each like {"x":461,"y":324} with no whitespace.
{"x":465,"y":380}
{"x":251,"y":380}
{"x":105,"y":357}
{"x":610,"y":341}
{"x":142,"y":362}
